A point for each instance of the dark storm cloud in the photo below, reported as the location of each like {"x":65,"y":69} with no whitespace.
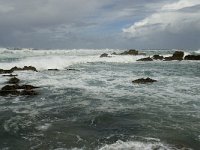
{"x":97,"y":24}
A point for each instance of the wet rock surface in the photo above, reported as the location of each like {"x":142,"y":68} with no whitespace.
{"x":145,"y":59}
{"x":144,"y":81}
{"x":192,"y":57}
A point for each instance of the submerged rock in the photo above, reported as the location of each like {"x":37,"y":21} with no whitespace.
{"x":28,"y":92}
{"x":144,"y":81}
{"x":145,"y":59}
{"x":10,"y":75}
{"x":53,"y":69}
{"x":158,"y":57}
{"x":192,"y":57}
{"x":13,"y":80}
{"x":72,"y":69}
{"x":104,"y":55}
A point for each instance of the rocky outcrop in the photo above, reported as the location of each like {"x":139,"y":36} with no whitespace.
{"x":13,"y":80}
{"x":29,"y":68}
{"x":145,"y":59}
{"x":178,"y":55}
{"x":18,"y":90}
{"x":144,"y":81}
{"x":192,"y":57}
{"x":157,"y":57}
{"x":130,"y":52}
{"x":104,"y":55}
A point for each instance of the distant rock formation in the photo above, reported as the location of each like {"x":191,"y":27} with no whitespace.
{"x":145,"y":59}
{"x":144,"y":81}
{"x":192,"y":57}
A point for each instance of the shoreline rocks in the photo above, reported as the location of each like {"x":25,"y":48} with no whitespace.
{"x":144,"y":81}
{"x":13,"y":80}
{"x":104,"y":55}
{"x":28,"y":68}
{"x":192,"y":57}
{"x":145,"y":59}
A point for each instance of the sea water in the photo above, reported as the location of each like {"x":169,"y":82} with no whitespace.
{"x":96,"y":106}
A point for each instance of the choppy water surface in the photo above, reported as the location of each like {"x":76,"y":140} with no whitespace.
{"x":97,"y":106}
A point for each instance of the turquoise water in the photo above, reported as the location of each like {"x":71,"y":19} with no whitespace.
{"x":97,"y":106}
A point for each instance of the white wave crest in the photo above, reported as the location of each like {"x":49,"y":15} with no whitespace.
{"x":198,"y":51}
{"x":135,"y":145}
{"x":61,"y":62}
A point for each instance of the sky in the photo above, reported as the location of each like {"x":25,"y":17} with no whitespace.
{"x":68,"y":24}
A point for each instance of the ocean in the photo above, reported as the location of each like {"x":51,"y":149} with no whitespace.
{"x":90,"y":103}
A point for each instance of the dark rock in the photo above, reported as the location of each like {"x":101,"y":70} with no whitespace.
{"x":71,"y":69}
{"x":13,"y":80}
{"x":9,"y":87}
{"x":53,"y":69}
{"x":144,"y":81}
{"x":145,"y":59}
{"x":158,"y":57}
{"x":24,"y":68}
{"x":192,"y":57}
{"x":27,"y":87}
{"x":10,"y":75}
{"x":178,"y":55}
{"x":2,"y":71}
{"x":104,"y":55}
{"x":114,"y":53}
{"x":15,"y":90}
{"x":130,"y":52}
{"x":29,"y":92}
{"x":9,"y":90}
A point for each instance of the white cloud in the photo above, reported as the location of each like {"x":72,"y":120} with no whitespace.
{"x":169,"y":19}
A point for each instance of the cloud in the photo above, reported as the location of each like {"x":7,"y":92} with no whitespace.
{"x":170,"y":19}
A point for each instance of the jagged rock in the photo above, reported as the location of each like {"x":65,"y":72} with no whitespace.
{"x":130,"y":52}
{"x":145,"y":59}
{"x":158,"y":57}
{"x":104,"y":55}
{"x":13,"y":80}
{"x":24,"y":68}
{"x":192,"y":57}
{"x":178,"y":55}
{"x":144,"y":81}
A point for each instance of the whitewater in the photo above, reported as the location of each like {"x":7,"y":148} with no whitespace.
{"x":91,"y":103}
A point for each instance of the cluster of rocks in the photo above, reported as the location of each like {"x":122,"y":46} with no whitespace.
{"x":177,"y":55}
{"x":2,"y":71}
{"x":129,"y":52}
{"x":13,"y":87}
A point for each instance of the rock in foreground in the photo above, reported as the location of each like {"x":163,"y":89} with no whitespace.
{"x":144,"y":81}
